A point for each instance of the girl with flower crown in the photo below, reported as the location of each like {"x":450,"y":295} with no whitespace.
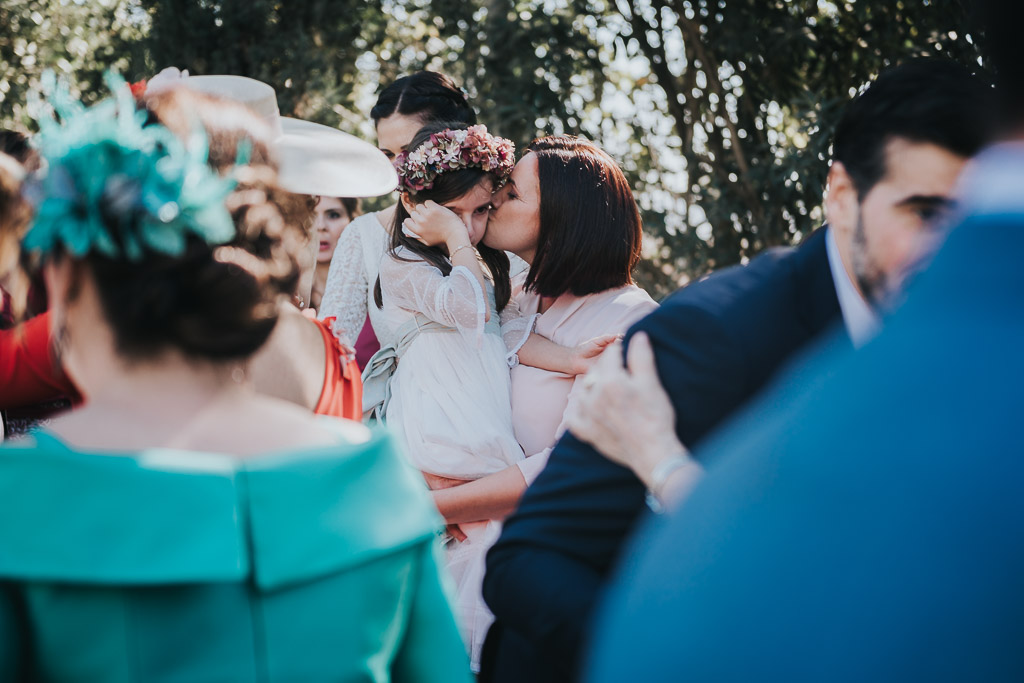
{"x":402,"y":108}
{"x":448,"y":299}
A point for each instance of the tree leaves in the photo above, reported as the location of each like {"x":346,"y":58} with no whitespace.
{"x":720,"y":111}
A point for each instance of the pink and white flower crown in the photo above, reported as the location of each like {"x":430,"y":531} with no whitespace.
{"x":451,"y":150}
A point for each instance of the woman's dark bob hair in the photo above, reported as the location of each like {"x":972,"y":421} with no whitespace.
{"x":590,"y":230}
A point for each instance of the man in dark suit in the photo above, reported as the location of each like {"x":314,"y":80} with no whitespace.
{"x":897,"y":152}
{"x":880,"y":541}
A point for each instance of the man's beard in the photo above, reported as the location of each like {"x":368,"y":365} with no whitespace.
{"x":872,"y":282}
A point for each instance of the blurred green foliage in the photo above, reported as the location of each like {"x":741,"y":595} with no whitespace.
{"x":719,"y":110}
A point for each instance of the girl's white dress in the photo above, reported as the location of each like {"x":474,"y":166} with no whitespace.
{"x":348,"y":294}
{"x":450,"y":401}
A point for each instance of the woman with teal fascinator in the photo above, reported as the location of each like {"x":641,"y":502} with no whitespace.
{"x":179,"y":526}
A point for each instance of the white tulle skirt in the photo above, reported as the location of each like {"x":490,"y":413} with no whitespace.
{"x":465,"y":561}
{"x":450,"y":407}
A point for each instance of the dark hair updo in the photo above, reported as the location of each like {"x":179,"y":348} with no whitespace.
{"x":448,"y":186}
{"x":213,"y":302}
{"x":426,"y":95}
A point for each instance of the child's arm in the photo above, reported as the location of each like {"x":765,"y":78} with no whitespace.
{"x":435,"y":225}
{"x":540,"y":352}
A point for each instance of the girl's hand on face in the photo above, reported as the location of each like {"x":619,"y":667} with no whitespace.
{"x":435,"y":225}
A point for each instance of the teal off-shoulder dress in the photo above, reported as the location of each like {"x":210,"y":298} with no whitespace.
{"x":317,"y":565}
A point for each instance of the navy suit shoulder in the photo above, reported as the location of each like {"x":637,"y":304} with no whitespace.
{"x":884,"y":545}
{"x":717,"y":342}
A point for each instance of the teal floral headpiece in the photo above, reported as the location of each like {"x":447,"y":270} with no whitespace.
{"x":118,"y":187}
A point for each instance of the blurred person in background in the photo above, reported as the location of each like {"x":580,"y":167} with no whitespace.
{"x":332,"y":216}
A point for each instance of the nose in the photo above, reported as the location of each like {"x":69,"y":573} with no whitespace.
{"x":497,"y":199}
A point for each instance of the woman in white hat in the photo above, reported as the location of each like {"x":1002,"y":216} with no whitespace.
{"x":305,"y":361}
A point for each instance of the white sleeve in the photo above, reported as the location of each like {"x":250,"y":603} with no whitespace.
{"x":515,"y":329}
{"x":455,"y":300}
{"x":345,"y":293}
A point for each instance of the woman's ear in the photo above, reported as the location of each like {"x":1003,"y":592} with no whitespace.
{"x":842,"y":203}
{"x":407,"y":202}
{"x":59,"y":278}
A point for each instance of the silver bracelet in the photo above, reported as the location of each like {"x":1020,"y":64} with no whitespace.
{"x":458,"y":249}
{"x":659,"y":476}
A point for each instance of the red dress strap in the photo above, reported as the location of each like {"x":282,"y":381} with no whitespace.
{"x":342,"y":394}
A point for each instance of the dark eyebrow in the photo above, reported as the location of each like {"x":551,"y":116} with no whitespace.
{"x":925,"y":200}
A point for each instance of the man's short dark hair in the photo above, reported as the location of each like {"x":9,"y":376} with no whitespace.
{"x":934,"y":101}
{"x":998,"y":24}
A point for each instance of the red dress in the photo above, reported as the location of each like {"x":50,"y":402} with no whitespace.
{"x":342,"y":394}
{"x":28,"y":373}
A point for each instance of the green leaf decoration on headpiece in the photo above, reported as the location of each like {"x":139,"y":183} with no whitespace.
{"x":121,"y":188}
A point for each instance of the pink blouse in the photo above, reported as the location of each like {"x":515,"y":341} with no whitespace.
{"x":539,"y":397}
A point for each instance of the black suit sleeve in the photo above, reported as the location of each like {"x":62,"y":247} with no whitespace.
{"x":546,"y":570}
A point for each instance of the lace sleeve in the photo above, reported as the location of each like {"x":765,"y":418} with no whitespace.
{"x":345,"y":293}
{"x":456,"y":300}
{"x":515,"y":330}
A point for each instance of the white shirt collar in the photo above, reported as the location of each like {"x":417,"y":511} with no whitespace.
{"x":990,"y":185}
{"x":861,"y":321}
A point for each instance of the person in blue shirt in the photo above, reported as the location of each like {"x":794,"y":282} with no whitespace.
{"x":863,"y":519}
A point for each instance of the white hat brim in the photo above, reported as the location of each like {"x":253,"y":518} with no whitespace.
{"x":312,"y":158}
{"x":319,"y":160}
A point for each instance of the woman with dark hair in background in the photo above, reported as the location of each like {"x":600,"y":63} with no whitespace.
{"x":232,"y":535}
{"x":331,"y":217}
{"x":303,"y":362}
{"x":402,"y":109}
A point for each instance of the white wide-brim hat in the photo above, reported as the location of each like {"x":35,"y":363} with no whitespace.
{"x":312,"y":159}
